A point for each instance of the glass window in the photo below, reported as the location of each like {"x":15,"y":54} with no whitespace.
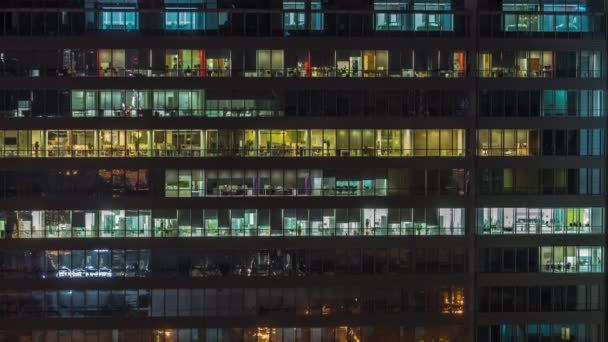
{"x":118,"y":15}
{"x":294,"y":20}
{"x":184,"y":15}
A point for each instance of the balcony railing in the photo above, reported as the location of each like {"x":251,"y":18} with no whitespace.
{"x":288,"y":72}
{"x":230,"y":22}
{"x":515,"y":72}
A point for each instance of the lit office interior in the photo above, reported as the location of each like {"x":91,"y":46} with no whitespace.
{"x":238,"y":142}
{"x":540,"y":220}
{"x":160,"y":223}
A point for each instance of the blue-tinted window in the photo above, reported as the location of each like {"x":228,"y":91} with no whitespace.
{"x":391,"y":16}
{"x":316,"y":17}
{"x":119,"y":18}
{"x":296,"y":13}
{"x":435,"y":21}
{"x":116,"y":14}
{"x":555,"y":102}
{"x":422,"y":16}
{"x":184,"y":14}
{"x":184,"y":19}
{"x":567,"y":16}
{"x":295,"y":20}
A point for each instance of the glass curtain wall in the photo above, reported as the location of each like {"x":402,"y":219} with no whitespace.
{"x":160,"y":223}
{"x":225,"y":142}
{"x":540,"y":220}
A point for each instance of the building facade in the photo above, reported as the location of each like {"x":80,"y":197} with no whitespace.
{"x":302,"y":170}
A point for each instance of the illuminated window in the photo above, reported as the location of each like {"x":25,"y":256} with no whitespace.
{"x":391,"y":15}
{"x":571,"y":259}
{"x":2,"y":225}
{"x":184,"y":15}
{"x":435,"y":21}
{"x":211,"y":142}
{"x":452,"y":301}
{"x":556,"y":17}
{"x":235,"y":222}
{"x":117,"y":14}
{"x":295,"y":20}
{"x":507,"y":142}
{"x":540,"y":220}
{"x":297,"y":12}
{"x":269,"y":63}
